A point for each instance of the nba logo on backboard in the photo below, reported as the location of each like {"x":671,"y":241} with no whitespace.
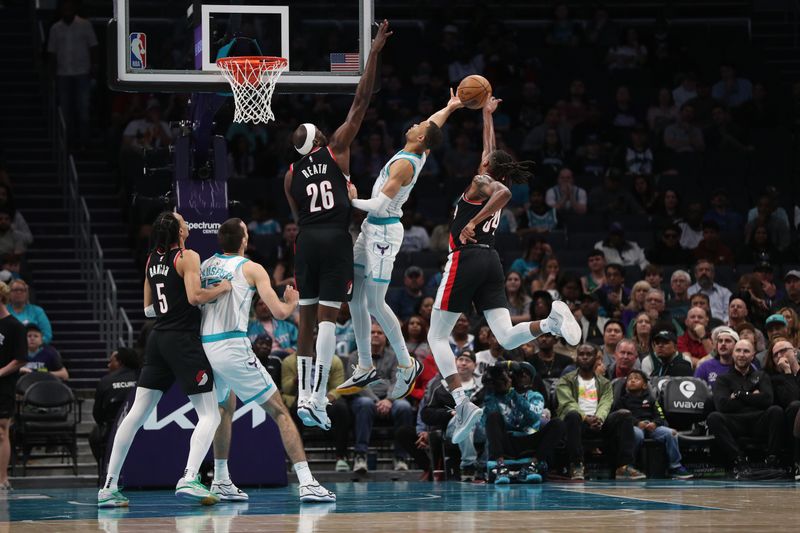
{"x":138,"y":50}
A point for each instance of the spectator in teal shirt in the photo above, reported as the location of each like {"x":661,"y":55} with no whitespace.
{"x":283,"y":332}
{"x":535,"y":255}
{"x":27,"y":313}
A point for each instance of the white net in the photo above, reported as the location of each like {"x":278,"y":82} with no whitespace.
{"x":252,"y":81}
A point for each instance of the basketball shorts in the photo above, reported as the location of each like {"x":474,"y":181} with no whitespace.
{"x":176,"y":355}
{"x":323,"y":264}
{"x":376,"y":248}
{"x":237,"y":368}
{"x":473,"y":274}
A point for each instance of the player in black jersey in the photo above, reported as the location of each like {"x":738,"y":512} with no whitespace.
{"x":318,"y":190}
{"x":171,"y":293}
{"x":474,"y":275}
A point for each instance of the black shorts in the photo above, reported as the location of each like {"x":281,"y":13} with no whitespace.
{"x":176,"y":355}
{"x":323,"y":264}
{"x":7,"y":397}
{"x":473,"y":274}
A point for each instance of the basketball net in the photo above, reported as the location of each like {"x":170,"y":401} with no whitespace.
{"x":252,"y":80}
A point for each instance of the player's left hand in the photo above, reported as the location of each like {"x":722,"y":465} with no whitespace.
{"x":491,"y":106}
{"x":382,"y":36}
{"x":467,"y":234}
{"x":352,"y":192}
{"x":290,"y":295}
{"x":454,"y":102}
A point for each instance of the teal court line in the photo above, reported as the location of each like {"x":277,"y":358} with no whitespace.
{"x":406,"y":497}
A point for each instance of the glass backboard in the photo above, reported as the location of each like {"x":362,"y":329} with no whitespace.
{"x":172,"y":45}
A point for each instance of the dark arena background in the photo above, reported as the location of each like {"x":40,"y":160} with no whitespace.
{"x":649,"y":202}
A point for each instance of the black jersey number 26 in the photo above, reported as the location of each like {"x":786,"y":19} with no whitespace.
{"x":321,"y":196}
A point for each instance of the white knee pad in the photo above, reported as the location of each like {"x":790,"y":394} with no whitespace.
{"x":328,"y":303}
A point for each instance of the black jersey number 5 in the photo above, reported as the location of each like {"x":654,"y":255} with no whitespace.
{"x":322,"y":193}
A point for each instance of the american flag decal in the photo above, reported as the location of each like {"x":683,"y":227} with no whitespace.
{"x":344,"y":62}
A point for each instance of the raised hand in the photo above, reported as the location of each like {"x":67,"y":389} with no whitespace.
{"x":454,"y":102}
{"x":491,"y":106}
{"x":382,"y":36}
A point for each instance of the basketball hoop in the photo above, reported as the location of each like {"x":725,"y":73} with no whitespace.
{"x":252,"y":80}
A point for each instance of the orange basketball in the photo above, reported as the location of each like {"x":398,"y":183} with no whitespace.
{"x":474,"y":91}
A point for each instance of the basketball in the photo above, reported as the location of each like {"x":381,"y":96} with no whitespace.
{"x":474,"y":91}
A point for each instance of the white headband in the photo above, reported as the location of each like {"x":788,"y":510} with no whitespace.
{"x":311,"y":133}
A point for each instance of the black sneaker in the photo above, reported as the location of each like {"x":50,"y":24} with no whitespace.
{"x":500,"y":475}
{"x":741,"y":469}
{"x":468,"y":473}
{"x":528,"y":474}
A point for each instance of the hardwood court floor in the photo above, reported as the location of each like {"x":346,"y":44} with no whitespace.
{"x":656,"y":505}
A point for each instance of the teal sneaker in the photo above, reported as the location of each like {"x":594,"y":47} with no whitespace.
{"x":192,"y":489}
{"x":108,"y":498}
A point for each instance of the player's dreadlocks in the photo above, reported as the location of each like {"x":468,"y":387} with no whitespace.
{"x":166,"y":232}
{"x":502,"y":167}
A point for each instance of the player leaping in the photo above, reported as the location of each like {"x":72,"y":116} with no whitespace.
{"x":474,"y":274}
{"x":317,"y":189}
{"x":376,"y":248}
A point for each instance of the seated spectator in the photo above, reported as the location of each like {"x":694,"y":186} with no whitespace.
{"x":147,"y":133}
{"x":518,"y":301}
{"x":613,"y":293}
{"x":767,"y":213}
{"x":793,"y":322}
{"x":744,"y":401}
{"x":591,"y":160}
{"x":626,"y":360}
{"x":488,"y":357}
{"x":337,"y":407}
{"x":649,"y":421}
{"x":731,"y":90}
{"x":18,"y":223}
{"x":548,"y":363}
{"x":667,"y":250}
{"x":725,"y":218}
{"x":535,"y":140}
{"x":283,"y":274}
{"x":692,"y":226}
{"x":667,"y":211}
{"x":782,"y":367}
{"x":282,"y":332}
{"x":683,"y":136}
{"x":654,"y":275}
{"x":438,"y":412}
{"x":718,"y":295}
{"x":618,"y":250}
{"x":405,"y":303}
{"x":663,"y":113}
{"x":591,"y":322}
{"x":374,"y":401}
{"x":665,"y":359}
{"x":440,"y":236}
{"x":11,"y":268}
{"x":550,"y":158}
{"x":791,"y":283}
{"x":415,"y":237}
{"x":541,"y":302}
{"x":642,"y":329}
{"x":758,"y":247}
{"x":776,"y":326}
{"x":696,"y":340}
{"x":611,"y":198}
{"x":539,"y":217}
{"x":645,"y":194}
{"x":415,"y":332}
{"x":636,"y":303}
{"x":111,"y":392}
{"x":686,"y":90}
{"x":703,"y":105}
{"x":656,"y":308}
{"x":565,"y":195}
{"x":11,"y":241}
{"x":631,"y":54}
{"x":548,"y":277}
{"x":263,"y":223}
{"x":20,"y":307}
{"x":738,"y":312}
{"x":42,"y":357}
{"x":613,"y":332}
{"x":536,"y":251}
{"x":584,"y":404}
{"x":596,"y":261}
{"x":345,"y":335}
{"x":721,"y":358}
{"x":638,"y":160}
{"x":425,"y":308}
{"x":711,"y":247}
{"x":678,"y":303}
{"x":563,"y":32}
{"x":515,"y":422}
{"x":702,"y":301}
{"x":460,"y":338}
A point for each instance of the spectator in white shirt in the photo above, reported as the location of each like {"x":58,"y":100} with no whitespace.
{"x":685,"y":91}
{"x":692,"y":226}
{"x":149,"y":132}
{"x":566,"y":196}
{"x":617,"y":250}
{"x":72,"y":48}
{"x":719,"y":297}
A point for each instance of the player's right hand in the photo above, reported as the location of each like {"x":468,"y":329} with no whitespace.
{"x":491,"y":106}
{"x":352,"y":192}
{"x":224,"y":285}
{"x":380,"y":38}
{"x":290,"y":295}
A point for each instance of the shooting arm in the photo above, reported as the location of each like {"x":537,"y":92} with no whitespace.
{"x":441,"y":116}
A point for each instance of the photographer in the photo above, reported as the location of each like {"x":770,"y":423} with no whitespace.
{"x":516,"y":422}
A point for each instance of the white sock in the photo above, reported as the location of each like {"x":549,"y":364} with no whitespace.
{"x":304,"y":476}
{"x":111,"y":483}
{"x":304,"y":365}
{"x":221,"y":470}
{"x":459,"y":396}
{"x":545,"y":326}
{"x":326,"y":349}
{"x":190,"y":474}
{"x":208,"y":417}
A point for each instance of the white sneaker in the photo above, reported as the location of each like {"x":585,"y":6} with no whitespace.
{"x":314,"y":492}
{"x":192,"y":489}
{"x":400,"y":465}
{"x":360,"y":464}
{"x":467,"y":415}
{"x":313,"y":414}
{"x":228,"y":492}
{"x":563,"y":323}
{"x":361,"y":379}
{"x":406,"y":379}
{"x":109,"y":498}
{"x":342,"y":466}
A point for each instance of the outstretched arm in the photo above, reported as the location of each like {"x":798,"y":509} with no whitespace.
{"x":489,"y":144}
{"x":343,"y":137}
{"x":441,"y":116}
{"x":256,"y":275}
{"x":400,"y":173}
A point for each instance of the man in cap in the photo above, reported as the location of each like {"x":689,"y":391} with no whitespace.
{"x":721,"y":360}
{"x":791,"y":282}
{"x":406,"y":302}
{"x":665,"y":359}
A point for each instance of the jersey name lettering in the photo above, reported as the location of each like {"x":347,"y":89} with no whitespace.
{"x":159,"y":270}
{"x":314,"y":169}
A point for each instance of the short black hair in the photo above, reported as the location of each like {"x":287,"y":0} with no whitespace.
{"x":231,"y":235}
{"x":433,"y":136}
{"x":128,"y":357}
{"x":619,"y":268}
{"x":33,"y":327}
{"x":614,"y":321}
{"x":595,"y":253}
{"x":640,"y":373}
